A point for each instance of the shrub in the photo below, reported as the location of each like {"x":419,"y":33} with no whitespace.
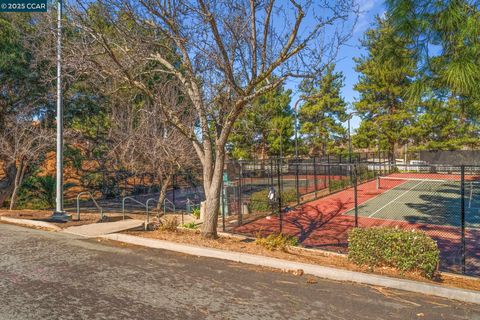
{"x":168,"y":223}
{"x":276,"y":241}
{"x":196,"y":212}
{"x":259,"y":200}
{"x":405,"y":250}
{"x":339,"y":184}
{"x":38,"y":192}
{"x":190,"y":225}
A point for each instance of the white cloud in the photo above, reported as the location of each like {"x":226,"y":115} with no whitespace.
{"x":363,"y":17}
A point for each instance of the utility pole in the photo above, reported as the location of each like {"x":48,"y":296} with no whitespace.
{"x":59,"y":214}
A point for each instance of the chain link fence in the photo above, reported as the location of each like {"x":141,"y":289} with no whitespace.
{"x":320,"y":202}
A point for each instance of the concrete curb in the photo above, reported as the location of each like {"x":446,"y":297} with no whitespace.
{"x":315,"y":270}
{"x":31,"y":223}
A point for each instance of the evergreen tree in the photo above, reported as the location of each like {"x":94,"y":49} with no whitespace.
{"x":385,"y":77}
{"x":321,"y":117}
{"x":265,"y":128}
{"x":445,"y":35}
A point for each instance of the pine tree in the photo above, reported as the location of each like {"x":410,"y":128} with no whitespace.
{"x":445,"y":35}
{"x":321,"y":117}
{"x":385,"y":77}
{"x":265,"y":128}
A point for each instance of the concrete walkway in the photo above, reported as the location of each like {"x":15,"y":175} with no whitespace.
{"x":100,"y":229}
{"x":31,"y":223}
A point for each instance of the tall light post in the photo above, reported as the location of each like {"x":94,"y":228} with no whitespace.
{"x":59,"y":214}
{"x":295,"y":107}
{"x":350,"y":116}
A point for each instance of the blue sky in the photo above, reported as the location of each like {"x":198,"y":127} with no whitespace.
{"x":368,"y":10}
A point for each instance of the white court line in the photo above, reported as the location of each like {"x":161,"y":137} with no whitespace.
{"x":396,"y":198}
{"x":372,"y":198}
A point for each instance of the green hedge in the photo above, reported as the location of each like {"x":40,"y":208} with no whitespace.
{"x":405,"y":250}
{"x":259,"y":200}
{"x":339,"y":184}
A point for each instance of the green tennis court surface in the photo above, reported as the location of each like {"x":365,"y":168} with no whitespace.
{"x":424,"y":201}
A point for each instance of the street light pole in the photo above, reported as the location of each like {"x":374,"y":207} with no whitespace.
{"x":350,"y":115}
{"x":296,"y":128}
{"x":349,"y":142}
{"x":59,"y":214}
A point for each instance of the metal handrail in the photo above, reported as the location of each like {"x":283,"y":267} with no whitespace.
{"x":94,"y":201}
{"x":147,"y":218}
{"x":134,"y":200}
{"x":165,"y":205}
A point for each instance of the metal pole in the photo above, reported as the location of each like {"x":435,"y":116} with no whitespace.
{"x":59,"y":214}
{"x":296,"y":183}
{"x":240,"y":209}
{"x":223,"y":206}
{"x":315,"y":176}
{"x":279,"y":200}
{"x":462,"y":214}
{"x":355,"y":192}
{"x":296,"y":132}
{"x":349,"y":142}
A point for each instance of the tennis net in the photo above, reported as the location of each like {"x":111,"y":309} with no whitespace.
{"x":472,"y":187}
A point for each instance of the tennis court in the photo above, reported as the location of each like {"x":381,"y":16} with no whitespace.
{"x":430,"y":202}
{"x":426,"y":201}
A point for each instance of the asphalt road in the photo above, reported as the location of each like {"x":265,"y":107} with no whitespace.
{"x":46,"y":275}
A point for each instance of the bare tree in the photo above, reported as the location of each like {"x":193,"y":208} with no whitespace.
{"x":223,"y":54}
{"x":146,"y":143}
{"x":23,"y":141}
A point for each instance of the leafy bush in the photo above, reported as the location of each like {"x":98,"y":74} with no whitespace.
{"x":259,"y":200}
{"x":405,"y":250}
{"x":168,"y":223}
{"x":276,"y":241}
{"x":190,"y":225}
{"x":196,"y":212}
{"x":38,"y":192}
{"x":339,"y":184}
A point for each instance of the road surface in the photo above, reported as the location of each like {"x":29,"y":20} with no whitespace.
{"x":47,"y":275}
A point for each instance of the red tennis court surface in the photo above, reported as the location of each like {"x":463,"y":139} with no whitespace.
{"x":322,"y":223}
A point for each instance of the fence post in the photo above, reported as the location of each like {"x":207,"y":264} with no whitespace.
{"x":296,"y":181}
{"x":315,"y":175}
{"x":173,"y":187}
{"x":279,"y":197}
{"x":328,"y":173}
{"x":462,"y":214}
{"x":271,"y":172}
{"x":223,"y":206}
{"x":355,"y":192}
{"x":240,"y":213}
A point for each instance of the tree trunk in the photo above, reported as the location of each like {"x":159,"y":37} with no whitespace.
{"x":7,"y":182}
{"x":213,"y":188}
{"x":18,"y":182}
{"x":163,"y":191}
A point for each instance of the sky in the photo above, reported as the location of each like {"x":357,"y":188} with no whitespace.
{"x":369,"y":9}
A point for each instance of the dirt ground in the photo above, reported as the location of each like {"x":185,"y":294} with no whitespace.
{"x":248,"y":245}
